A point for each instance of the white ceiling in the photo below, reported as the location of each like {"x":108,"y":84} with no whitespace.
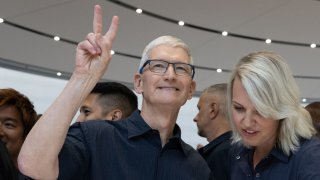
{"x":285,"y":20}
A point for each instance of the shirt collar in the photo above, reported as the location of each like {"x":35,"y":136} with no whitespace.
{"x":176,"y":139}
{"x":275,"y":152}
{"x":214,"y":143}
{"x":279,"y":154}
{"x":138,"y":127}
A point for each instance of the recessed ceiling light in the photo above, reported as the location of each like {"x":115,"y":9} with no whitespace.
{"x":313,"y":45}
{"x":59,"y":73}
{"x":181,"y":23}
{"x":139,"y":11}
{"x":112,"y":52}
{"x":219,"y":70}
{"x":224,"y":33}
{"x":268,"y":41}
{"x":56,"y":38}
{"x":1,"y":20}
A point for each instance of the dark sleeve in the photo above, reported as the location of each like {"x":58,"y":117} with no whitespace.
{"x":74,"y":156}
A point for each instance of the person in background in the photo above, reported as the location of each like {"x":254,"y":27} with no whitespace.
{"x":146,"y":145}
{"x":110,"y":101}
{"x":7,"y":169}
{"x":273,"y":134}
{"x":314,"y":110}
{"x":17,"y":117}
{"x":212,"y":122}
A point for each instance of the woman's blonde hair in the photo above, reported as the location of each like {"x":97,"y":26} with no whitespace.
{"x":274,"y":93}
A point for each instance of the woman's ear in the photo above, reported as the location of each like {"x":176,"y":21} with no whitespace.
{"x":138,"y":83}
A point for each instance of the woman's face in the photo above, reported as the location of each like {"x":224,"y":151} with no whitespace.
{"x":255,"y":130}
{"x":11,"y":130}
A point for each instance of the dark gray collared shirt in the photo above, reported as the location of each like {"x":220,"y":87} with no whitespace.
{"x":216,"y":154}
{"x":302,"y":165}
{"x":127,"y":150}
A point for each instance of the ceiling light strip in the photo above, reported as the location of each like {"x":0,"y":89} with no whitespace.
{"x":28,"y":67}
{"x":25,"y":67}
{"x":209,"y":29}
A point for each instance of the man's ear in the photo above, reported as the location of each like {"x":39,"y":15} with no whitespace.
{"x":138,"y":83}
{"x":115,"y":115}
{"x":192,"y":89}
{"x":214,"y":110}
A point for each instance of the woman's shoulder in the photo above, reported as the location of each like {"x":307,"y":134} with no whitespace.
{"x":309,"y":149}
{"x":313,"y":142}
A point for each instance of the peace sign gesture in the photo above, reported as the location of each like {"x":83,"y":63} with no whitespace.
{"x":93,"y":54}
{"x":92,"y":59}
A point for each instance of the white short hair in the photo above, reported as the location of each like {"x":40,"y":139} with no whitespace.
{"x":164,"y":40}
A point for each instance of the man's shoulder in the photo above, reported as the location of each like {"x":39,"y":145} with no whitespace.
{"x":220,"y":144}
{"x":190,"y":151}
{"x":98,"y":127}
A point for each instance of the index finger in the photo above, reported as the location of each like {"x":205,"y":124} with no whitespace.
{"x":97,"y":20}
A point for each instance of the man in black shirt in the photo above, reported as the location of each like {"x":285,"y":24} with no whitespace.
{"x":145,"y":146}
{"x":212,"y":123}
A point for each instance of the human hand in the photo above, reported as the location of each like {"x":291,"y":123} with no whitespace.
{"x":93,"y":54}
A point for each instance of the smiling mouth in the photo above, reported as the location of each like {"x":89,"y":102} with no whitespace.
{"x":249,"y":132}
{"x":169,"y":88}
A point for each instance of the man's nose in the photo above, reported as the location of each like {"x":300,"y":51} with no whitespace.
{"x":170,"y":72}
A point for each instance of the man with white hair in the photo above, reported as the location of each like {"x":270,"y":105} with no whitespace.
{"x":147,"y":145}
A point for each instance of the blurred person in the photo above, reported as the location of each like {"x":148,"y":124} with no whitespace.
{"x":108,"y":101}
{"x":213,"y":124}
{"x":7,"y":169}
{"x":17,"y":117}
{"x":314,"y":110}
{"x":147,"y":145}
{"x":272,"y":132}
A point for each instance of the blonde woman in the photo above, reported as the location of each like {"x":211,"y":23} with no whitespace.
{"x":273,"y":133}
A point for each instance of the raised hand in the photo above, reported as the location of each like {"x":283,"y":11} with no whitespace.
{"x":92,"y":59}
{"x":93,"y":54}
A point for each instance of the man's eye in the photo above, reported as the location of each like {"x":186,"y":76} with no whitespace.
{"x":182,"y":69}
{"x":158,"y":66}
{"x":86,"y":112}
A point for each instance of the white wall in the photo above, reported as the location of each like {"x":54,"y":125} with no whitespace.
{"x":43,"y":90}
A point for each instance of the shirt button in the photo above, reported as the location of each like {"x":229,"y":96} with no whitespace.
{"x":238,"y":157}
{"x":257,"y":175}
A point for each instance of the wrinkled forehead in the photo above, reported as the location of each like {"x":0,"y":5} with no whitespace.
{"x":147,"y":53}
{"x":170,"y":54}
